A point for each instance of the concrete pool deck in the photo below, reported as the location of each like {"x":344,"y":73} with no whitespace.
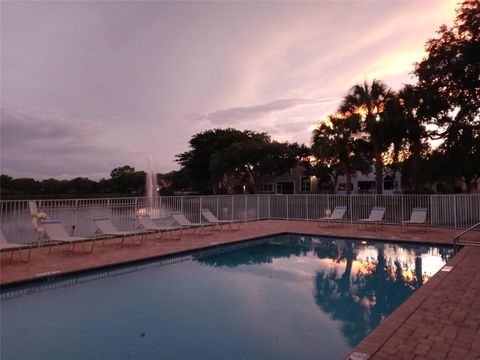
{"x":441,"y":320}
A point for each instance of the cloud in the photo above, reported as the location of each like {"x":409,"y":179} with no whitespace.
{"x":119,"y":90}
{"x":46,"y":146}
{"x":237,"y":115}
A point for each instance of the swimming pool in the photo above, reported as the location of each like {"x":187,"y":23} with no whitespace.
{"x":284,"y":297}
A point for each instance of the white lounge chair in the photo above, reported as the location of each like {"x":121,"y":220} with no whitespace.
{"x":106,"y":227}
{"x":212,"y":219}
{"x":337,"y":215}
{"x":181,"y":220}
{"x":12,"y":247}
{"x":417,"y":218}
{"x":375,"y":218}
{"x":146,"y":223}
{"x":55,"y":232}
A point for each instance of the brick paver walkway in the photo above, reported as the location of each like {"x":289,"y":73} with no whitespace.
{"x":441,"y":320}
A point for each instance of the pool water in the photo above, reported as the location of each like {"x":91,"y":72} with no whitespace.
{"x":284,"y":297}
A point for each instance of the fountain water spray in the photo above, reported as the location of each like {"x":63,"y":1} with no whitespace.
{"x":151,"y":186}
{"x":151,"y":192}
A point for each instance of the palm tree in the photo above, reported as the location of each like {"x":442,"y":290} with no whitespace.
{"x":334,"y":143}
{"x":368,"y":101}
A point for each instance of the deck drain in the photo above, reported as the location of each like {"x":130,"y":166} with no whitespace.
{"x":358,"y":356}
{"x":447,"y":268}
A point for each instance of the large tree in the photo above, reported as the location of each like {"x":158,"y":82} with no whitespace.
{"x":196,"y":162}
{"x":256,"y":158}
{"x":336,"y":146}
{"x":126,"y":180}
{"x":369,"y":102}
{"x":220,"y":155}
{"x":416,"y":144}
{"x":451,"y":69}
{"x":450,"y":77}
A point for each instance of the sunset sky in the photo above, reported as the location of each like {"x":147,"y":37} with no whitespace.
{"x":89,"y":86}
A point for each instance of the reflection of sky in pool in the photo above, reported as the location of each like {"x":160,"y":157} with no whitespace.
{"x":290,"y":298}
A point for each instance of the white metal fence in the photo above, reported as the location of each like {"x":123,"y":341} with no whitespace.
{"x":451,"y":211}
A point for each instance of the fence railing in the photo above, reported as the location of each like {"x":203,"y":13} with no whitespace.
{"x":450,"y":211}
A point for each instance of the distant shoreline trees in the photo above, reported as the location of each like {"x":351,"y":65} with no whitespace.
{"x":123,"y":180}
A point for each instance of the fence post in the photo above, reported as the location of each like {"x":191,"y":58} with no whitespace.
{"x":288,"y":218}
{"x":200,"y":209}
{"x":232,"y":208}
{"x":76,"y":216}
{"x":246,"y":208}
{"x":306,"y":207}
{"x":269,"y":207}
{"x":403,"y":210}
{"x":258,"y":207}
{"x":431,"y":210}
{"x":349,"y":205}
{"x":455,"y":211}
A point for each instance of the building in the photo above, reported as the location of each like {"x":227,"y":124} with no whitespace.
{"x":365,"y":183}
{"x":296,"y":182}
{"x":293,"y":182}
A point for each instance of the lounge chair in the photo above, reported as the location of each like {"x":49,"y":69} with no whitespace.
{"x":146,"y":223}
{"x":418,"y":218}
{"x":375,"y":218}
{"x":12,"y":247}
{"x":337,"y":215}
{"x":55,"y":233}
{"x":106,"y":227}
{"x":181,"y":220}
{"x":212,"y":219}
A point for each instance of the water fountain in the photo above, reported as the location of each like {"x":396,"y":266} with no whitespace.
{"x":151,"y":185}
{"x":153,"y":208}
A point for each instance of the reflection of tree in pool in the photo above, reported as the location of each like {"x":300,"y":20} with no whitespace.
{"x":259,"y":254}
{"x":359,"y":300}
{"x":362,"y":300}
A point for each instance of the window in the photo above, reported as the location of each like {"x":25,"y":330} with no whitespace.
{"x":305,"y":184}
{"x":366,"y":187}
{"x":388,"y":183}
{"x":285,"y":187}
{"x":266,"y":188}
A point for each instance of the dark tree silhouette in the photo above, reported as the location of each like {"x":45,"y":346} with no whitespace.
{"x":335,"y":144}
{"x":368,"y":101}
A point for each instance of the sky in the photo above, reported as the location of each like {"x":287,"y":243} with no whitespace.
{"x":88,"y":86}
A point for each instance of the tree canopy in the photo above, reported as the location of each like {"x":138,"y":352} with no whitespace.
{"x":221,"y":157}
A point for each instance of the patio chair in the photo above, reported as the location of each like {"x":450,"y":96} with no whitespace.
{"x":105,"y":227}
{"x":148,"y":224}
{"x":12,"y":247}
{"x":212,"y":219}
{"x":181,"y":220}
{"x":337,"y":215}
{"x":375,"y":218}
{"x":55,"y":233}
{"x":417,"y":218}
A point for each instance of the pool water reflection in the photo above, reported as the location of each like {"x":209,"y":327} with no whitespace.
{"x":286,"y":297}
